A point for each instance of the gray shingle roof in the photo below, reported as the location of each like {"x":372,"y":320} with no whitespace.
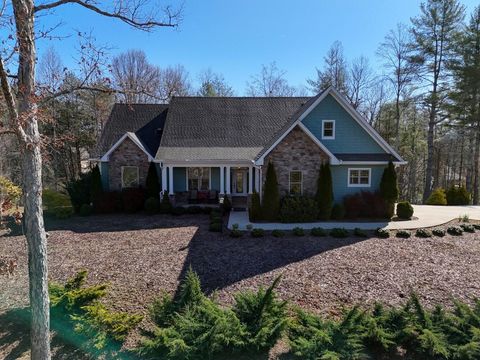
{"x":235,"y":127}
{"x":143,"y":119}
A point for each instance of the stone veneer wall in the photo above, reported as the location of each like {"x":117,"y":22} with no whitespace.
{"x":297,"y":151}
{"x":127,"y":154}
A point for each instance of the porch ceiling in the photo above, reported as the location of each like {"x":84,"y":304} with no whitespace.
{"x":198,"y":154}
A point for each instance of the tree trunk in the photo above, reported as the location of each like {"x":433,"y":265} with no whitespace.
{"x":476,"y":161}
{"x":429,"y":170}
{"x":32,"y":182}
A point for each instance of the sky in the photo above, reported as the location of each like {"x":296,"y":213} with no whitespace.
{"x":235,"y":38}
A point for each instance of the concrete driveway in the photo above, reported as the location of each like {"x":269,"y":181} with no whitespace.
{"x":426,"y":216}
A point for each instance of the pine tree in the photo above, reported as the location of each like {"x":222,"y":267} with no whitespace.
{"x":255,"y":210}
{"x":96,"y":187}
{"x":152,"y":182}
{"x":389,"y":187}
{"x":324,"y":196}
{"x":271,"y":196}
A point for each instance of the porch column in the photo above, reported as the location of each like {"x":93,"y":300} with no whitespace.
{"x":257,"y":180}
{"x":228,"y":181}
{"x":222,"y":180}
{"x":250,"y":179}
{"x":164,"y":178}
{"x":170,"y":180}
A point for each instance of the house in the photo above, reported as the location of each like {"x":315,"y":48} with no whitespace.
{"x":223,"y":144}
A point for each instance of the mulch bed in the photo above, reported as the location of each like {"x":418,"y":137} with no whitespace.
{"x":141,"y":256}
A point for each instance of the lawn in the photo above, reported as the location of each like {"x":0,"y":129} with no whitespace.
{"x":140,"y":256}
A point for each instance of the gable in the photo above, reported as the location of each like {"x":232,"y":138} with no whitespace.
{"x":350,"y":136}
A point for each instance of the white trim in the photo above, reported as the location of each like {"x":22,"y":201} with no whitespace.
{"x":290,"y":182}
{"x":370,"y":163}
{"x":135,"y":140}
{"x":250,"y":179}
{"x":222,"y":180}
{"x":360,"y":185}
{"x":129,"y":166}
{"x":170,"y":181}
{"x":164,"y":178}
{"x":323,"y":130}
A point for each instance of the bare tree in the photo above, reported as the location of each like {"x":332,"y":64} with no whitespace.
{"x":22,"y":103}
{"x":174,"y":81}
{"x":270,"y":82}
{"x":213,"y":84}
{"x":359,"y":81}
{"x":334,"y":72}
{"x":135,"y":77}
{"x":396,"y":52}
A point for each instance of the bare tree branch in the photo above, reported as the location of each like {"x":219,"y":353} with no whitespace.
{"x":125,"y":13}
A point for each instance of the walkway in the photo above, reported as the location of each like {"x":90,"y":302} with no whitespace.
{"x":427,"y":216}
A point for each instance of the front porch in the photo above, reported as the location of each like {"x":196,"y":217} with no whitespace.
{"x":207,"y":184}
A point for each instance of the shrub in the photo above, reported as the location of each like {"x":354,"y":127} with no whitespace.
{"x":339,"y":233}
{"x":404,"y":210}
{"x":235,"y":233}
{"x":476,"y":226}
{"x":152,"y":205}
{"x":192,"y":326}
{"x":437,"y":197}
{"x":86,"y":210}
{"x":263,"y":316}
{"x":108,"y":202}
{"x":165,"y":205}
{"x":298,"y":231}
{"x":468,"y":228}
{"x":389,"y":188}
{"x":439,"y":232}
{"x":403,"y":234}
{"x":152,"y":183}
{"x":96,"y":187}
{"x":423,"y":233}
{"x":360,"y":233}
{"x":324,"y":195}
{"x":79,"y":191}
{"x":9,"y":196}
{"x":57,"y":204}
{"x":382,"y":233}
{"x":226,"y":205}
{"x":338,"y":212}
{"x":256,"y":233}
{"x":458,"y":195}
{"x":271,"y":195}
{"x":278,"y":233}
{"x":133,"y":199}
{"x":365,"y":204}
{"x":79,"y":318}
{"x":464,"y":218}
{"x":255,"y":211}
{"x":178,"y":211}
{"x":455,"y":230}
{"x":318,"y":231}
{"x":215,"y":227}
{"x":297,"y":209}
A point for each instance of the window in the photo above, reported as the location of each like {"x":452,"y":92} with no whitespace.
{"x":296,"y":178}
{"x":359,"y":177}
{"x":198,"y":178}
{"x":328,"y":129}
{"x":129,"y":177}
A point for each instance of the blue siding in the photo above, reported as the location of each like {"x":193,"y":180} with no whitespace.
{"x":215,"y":180}
{"x":104,"y":174}
{"x":340,"y":180}
{"x":350,"y":137}
{"x":179,"y":179}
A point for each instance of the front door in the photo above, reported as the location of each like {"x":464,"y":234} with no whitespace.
{"x":239,"y":183}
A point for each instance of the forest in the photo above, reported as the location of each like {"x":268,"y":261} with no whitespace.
{"x":423,"y":98}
